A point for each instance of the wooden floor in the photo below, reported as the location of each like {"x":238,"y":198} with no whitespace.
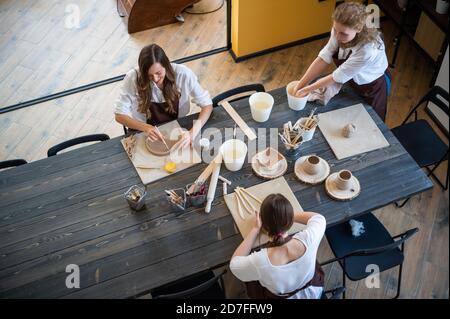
{"x":38,"y":56}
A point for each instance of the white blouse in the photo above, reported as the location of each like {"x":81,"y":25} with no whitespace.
{"x":186,"y":82}
{"x":289,"y":277}
{"x":366,"y":63}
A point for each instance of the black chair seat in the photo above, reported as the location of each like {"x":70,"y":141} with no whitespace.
{"x":376,"y":235}
{"x":421,"y":142}
{"x":214,"y":291}
{"x":12,"y":163}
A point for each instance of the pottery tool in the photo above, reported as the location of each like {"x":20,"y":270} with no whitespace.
{"x":246,"y":200}
{"x":204,"y":175}
{"x":238,"y":120}
{"x":223,"y":179}
{"x":174,"y":197}
{"x":162,"y":138}
{"x":310,"y":117}
{"x":243,"y":203}
{"x":250,"y":194}
{"x":213,"y":183}
{"x":225,"y":191}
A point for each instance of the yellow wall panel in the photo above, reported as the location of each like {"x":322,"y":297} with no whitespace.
{"x":262,"y":24}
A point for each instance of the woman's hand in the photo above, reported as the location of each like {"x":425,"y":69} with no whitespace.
{"x":302,"y":92}
{"x":186,"y":139}
{"x":153,"y":133}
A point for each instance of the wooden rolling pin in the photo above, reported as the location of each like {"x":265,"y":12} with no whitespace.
{"x":213,"y":183}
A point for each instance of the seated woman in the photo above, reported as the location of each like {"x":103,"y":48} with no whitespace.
{"x":358,"y":51}
{"x":287,"y":267}
{"x":160,"y":92}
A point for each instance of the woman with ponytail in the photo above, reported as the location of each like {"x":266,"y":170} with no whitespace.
{"x":358,"y":52}
{"x":286,"y":267}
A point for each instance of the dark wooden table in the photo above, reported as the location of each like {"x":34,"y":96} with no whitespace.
{"x":69,"y":209}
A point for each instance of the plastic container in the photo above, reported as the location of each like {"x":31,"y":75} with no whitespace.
{"x":261,"y":104}
{"x":234,"y":153}
{"x":295,"y":103}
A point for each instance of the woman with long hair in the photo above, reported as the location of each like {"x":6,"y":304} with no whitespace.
{"x":159,"y":92}
{"x":359,"y":53}
{"x":286,"y":267}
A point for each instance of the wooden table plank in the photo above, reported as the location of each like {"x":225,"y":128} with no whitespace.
{"x":69,"y":209}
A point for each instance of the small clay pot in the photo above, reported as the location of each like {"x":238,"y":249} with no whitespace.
{"x":311,"y":165}
{"x":349,"y":130}
{"x":344,"y":180}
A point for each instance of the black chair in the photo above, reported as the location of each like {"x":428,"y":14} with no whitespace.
{"x":421,"y":141}
{"x":12,"y":163}
{"x":374,"y":247}
{"x":335,"y":293}
{"x":78,"y":140}
{"x":239,"y":90}
{"x":205,"y":285}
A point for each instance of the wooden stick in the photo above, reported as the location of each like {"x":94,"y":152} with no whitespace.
{"x":162,"y":138}
{"x":239,"y":121}
{"x":238,"y":194}
{"x":247,"y":200}
{"x":251,"y":195}
{"x":213,"y":183}
{"x":223,"y":179}
{"x":310,"y":117}
{"x":238,"y":201}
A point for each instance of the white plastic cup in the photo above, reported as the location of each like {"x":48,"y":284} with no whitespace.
{"x":295,"y":103}
{"x":308,"y":135}
{"x":261,"y":104}
{"x":234,"y":153}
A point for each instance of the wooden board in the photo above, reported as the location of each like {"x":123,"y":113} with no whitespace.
{"x":368,"y":136}
{"x":278,"y":185}
{"x":239,"y":121}
{"x":150,"y":167}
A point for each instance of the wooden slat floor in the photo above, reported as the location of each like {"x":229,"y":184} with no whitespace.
{"x":39,"y":56}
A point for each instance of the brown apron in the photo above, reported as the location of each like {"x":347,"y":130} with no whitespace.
{"x":256,"y":291}
{"x":159,"y":113}
{"x":374,"y":93}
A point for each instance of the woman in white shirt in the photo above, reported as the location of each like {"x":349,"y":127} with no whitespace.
{"x":287,"y":268}
{"x":160,"y":92}
{"x":359,"y":54}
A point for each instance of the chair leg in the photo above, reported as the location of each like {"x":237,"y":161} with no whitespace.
{"x":399,"y":281}
{"x":343,"y":284}
{"x":402,"y":204}
{"x":431,"y":173}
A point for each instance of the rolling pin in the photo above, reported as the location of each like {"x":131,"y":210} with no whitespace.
{"x":213,"y":183}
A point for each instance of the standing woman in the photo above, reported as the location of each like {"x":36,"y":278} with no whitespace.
{"x":159,"y":92}
{"x":359,"y":54}
{"x":286,"y":267}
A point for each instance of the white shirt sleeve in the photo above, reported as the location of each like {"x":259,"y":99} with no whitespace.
{"x":354,"y":65}
{"x":124,"y":103}
{"x":244,"y":267}
{"x":314,"y":231}
{"x":330,"y":49}
{"x":199,"y":95}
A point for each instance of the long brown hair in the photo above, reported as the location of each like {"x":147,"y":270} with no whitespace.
{"x":354,"y":15}
{"x":277,"y":216}
{"x":150,"y":55}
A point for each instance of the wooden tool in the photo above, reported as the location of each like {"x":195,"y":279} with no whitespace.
{"x":246,"y":200}
{"x":203,"y":176}
{"x":223,"y":179}
{"x":251,"y":195}
{"x":239,"y":121}
{"x":162,"y":138}
{"x":213,"y":183}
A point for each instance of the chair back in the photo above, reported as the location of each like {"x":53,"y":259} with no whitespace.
{"x":78,"y":140}
{"x":12,"y":163}
{"x":198,"y":288}
{"x":239,"y":90}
